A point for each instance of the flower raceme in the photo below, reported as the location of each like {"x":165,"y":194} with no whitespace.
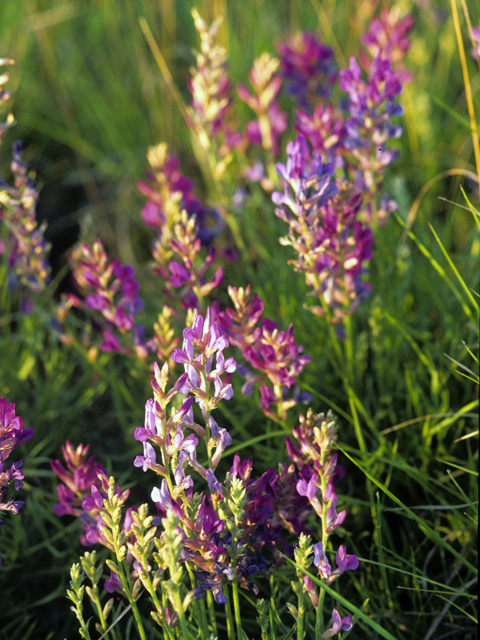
{"x":110,"y":289}
{"x":22,"y":240}
{"x":332,"y":243}
{"x":12,"y":434}
{"x":307,"y":67}
{"x":273,"y":353}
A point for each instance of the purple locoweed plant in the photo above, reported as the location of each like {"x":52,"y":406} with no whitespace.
{"x":169,"y":192}
{"x":109,"y":289}
{"x":274,"y":354}
{"x":308,"y":68}
{"x":22,"y":243}
{"x":22,"y":240}
{"x":77,"y":480}
{"x":332,"y":243}
{"x":210,"y":112}
{"x":319,"y":473}
{"x":387,"y":38}
{"x":12,"y":434}
{"x":372,"y":105}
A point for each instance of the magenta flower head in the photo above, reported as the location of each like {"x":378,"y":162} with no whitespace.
{"x":24,"y":246}
{"x":110,"y":290}
{"x":339,"y":624}
{"x":387,"y":38}
{"x":308,"y":68}
{"x":201,"y":343}
{"x":307,"y":181}
{"x":12,"y":434}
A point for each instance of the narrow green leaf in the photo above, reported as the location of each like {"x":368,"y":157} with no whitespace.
{"x":422,"y":524}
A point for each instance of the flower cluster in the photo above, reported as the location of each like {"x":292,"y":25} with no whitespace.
{"x":273,"y":353}
{"x":266,"y":130}
{"x":12,"y":434}
{"x":78,"y":480}
{"x":211,"y":91}
{"x":308,"y":68}
{"x":22,"y":240}
{"x":180,"y":221}
{"x":188,"y":274}
{"x":219,"y":538}
{"x":318,"y":471}
{"x":369,"y":127}
{"x":387,"y":39}
{"x":169,"y":192}
{"x":332,"y":244}
{"x":110,"y":289}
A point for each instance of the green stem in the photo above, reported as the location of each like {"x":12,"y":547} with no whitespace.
{"x":199,"y":606}
{"x":230,"y":624}
{"x":349,"y":350}
{"x":181,"y":614}
{"x":236,"y":605}
{"x":319,"y":619}
{"x":167,"y":629}
{"x":211,"y":610}
{"x":301,"y":611}
{"x":98,"y":604}
{"x":132,"y":602}
{"x":125,"y":584}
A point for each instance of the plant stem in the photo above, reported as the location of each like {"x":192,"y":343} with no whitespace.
{"x":230,"y":625}
{"x":319,"y":619}
{"x":211,"y":610}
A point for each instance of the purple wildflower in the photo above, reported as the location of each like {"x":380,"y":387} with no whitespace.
{"x":110,"y":289}
{"x":370,"y":127}
{"x":339,"y":624}
{"x":169,"y":192}
{"x":200,"y":344}
{"x":12,"y":434}
{"x":272,"y":352}
{"x":308,"y":68}
{"x":332,"y":244}
{"x":24,"y":244}
{"x":475,"y":52}
{"x":387,"y":38}
{"x":80,"y":480}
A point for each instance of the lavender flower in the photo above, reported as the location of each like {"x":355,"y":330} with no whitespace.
{"x":79,"y":479}
{"x":200,"y":344}
{"x":387,"y":38}
{"x":187,"y":275}
{"x":332,"y":244}
{"x":169,"y":193}
{"x":370,"y":127}
{"x":475,"y":51}
{"x":325,"y":131}
{"x":272,"y":352}
{"x":308,"y":68}
{"x":339,"y":624}
{"x":12,"y":434}
{"x":110,"y":289}
{"x":23,"y":241}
